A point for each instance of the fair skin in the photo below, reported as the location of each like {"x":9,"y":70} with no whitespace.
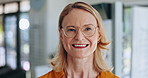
{"x":80,"y":59}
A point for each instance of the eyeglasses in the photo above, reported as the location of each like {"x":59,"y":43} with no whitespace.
{"x":87,"y":30}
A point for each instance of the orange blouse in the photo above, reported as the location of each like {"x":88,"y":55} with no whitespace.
{"x":53,"y":74}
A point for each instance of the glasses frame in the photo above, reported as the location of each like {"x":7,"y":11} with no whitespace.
{"x":79,"y":29}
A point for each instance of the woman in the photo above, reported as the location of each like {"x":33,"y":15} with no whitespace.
{"x":82,"y":40}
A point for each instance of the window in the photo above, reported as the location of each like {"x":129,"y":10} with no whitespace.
{"x":11,"y":8}
{"x":10,"y":34}
{"x":24,"y":42}
{"x":24,"y":6}
{"x":14,"y":35}
{"x":1,"y":9}
{"x":2,"y":50}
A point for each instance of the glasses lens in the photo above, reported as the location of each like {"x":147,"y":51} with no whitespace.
{"x":70,"y":31}
{"x":88,"y":30}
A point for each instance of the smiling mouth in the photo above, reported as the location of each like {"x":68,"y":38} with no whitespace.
{"x":80,"y":45}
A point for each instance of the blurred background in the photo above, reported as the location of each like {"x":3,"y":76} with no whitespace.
{"x":29,"y":36}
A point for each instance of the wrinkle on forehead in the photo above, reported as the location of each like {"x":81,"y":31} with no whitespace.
{"x":79,"y":17}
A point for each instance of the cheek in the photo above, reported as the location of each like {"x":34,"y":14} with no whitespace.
{"x":94,"y":39}
{"x":66,"y":42}
{"x":94,"y":42}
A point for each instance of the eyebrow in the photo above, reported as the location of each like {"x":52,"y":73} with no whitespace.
{"x":75,"y":26}
{"x":87,"y":24}
{"x":70,"y":26}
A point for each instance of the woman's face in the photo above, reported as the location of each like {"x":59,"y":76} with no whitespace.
{"x":79,"y":46}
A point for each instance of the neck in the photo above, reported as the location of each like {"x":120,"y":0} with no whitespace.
{"x":80,"y":67}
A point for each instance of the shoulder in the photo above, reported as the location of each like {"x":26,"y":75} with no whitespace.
{"x":53,"y":74}
{"x":107,"y":75}
{"x":48,"y":75}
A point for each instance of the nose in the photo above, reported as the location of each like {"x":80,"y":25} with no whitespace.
{"x":79,"y":36}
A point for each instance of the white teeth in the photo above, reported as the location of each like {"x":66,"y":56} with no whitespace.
{"x":79,"y":45}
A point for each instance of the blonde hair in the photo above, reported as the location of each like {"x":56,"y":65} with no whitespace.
{"x":59,"y":62}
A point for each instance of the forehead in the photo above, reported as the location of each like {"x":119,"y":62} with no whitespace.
{"x":79,"y":17}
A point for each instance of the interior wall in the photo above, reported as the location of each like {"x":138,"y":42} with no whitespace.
{"x":44,"y":31}
{"x":128,"y":2}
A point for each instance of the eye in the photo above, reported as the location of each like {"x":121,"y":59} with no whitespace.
{"x":88,"y":29}
{"x":69,"y":30}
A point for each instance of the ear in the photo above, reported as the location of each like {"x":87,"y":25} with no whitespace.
{"x":99,"y":37}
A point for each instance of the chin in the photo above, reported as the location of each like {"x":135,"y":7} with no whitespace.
{"x":80,"y":55}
